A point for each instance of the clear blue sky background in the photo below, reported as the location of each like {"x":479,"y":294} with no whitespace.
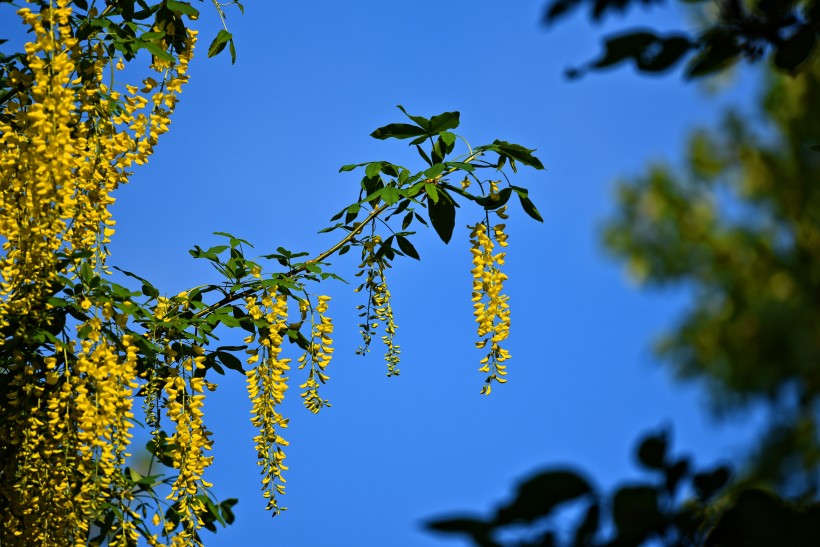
{"x":254,"y":150}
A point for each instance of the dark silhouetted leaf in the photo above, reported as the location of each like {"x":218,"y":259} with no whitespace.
{"x":709,"y":483}
{"x":478,"y":530}
{"x":588,"y":528}
{"x":539,"y":495}
{"x":652,"y":450}
{"x":624,"y":46}
{"x":794,"y":51}
{"x":663,"y":53}
{"x":397,"y":131}
{"x":558,"y":8}
{"x":517,"y":153}
{"x":635,"y":513}
{"x":407,"y":247}
{"x":442,"y":215}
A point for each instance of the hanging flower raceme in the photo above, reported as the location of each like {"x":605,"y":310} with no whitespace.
{"x":267,"y":383}
{"x":491,"y":308}
{"x":378,"y":309}
{"x":185,"y":398}
{"x":318,"y":354}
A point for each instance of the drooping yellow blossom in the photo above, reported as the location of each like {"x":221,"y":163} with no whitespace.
{"x":267,"y":383}
{"x":491,"y":308}
{"x":318,"y":355}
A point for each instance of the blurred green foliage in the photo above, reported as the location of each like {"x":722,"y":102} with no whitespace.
{"x":727,"y":31}
{"x":674,"y":505}
{"x":740,"y":226}
{"x":737,"y":224}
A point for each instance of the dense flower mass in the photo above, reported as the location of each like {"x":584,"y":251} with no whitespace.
{"x":65,"y":146}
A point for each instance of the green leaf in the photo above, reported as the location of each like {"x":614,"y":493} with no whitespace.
{"x":422,"y":122}
{"x":434,"y":170}
{"x":219,"y":43}
{"x":490,"y":204}
{"x":183,"y":8}
{"x":351,"y":167}
{"x":155,"y":50}
{"x":390,"y":195}
{"x":517,"y":153}
{"x":442,"y":215}
{"x":443,"y":122}
{"x":397,"y":131}
{"x":230,"y":361}
{"x":529,"y":208}
{"x":407,"y":247}
{"x":424,"y":155}
{"x":431,"y":191}
{"x":373,"y":169}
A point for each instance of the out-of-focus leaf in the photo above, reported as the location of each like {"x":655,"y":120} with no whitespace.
{"x":539,"y":495}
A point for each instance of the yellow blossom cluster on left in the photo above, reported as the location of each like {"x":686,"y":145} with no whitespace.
{"x":66,"y":144}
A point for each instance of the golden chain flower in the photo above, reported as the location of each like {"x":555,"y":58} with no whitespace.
{"x":267,"y":383}
{"x":491,"y":307}
{"x":318,"y":355}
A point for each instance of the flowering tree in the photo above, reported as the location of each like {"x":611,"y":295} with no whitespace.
{"x":78,"y":349}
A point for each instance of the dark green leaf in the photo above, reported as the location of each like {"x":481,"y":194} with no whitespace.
{"x":407,"y":247}
{"x":518,"y":153}
{"x":183,"y":8}
{"x":443,"y":122}
{"x":219,"y":43}
{"x":397,"y":131}
{"x":442,"y":215}
{"x":421,"y":121}
{"x":434,"y":170}
{"x":155,"y":50}
{"x":431,"y":190}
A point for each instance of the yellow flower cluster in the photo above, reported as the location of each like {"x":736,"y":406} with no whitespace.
{"x":492,"y":311}
{"x":267,"y":383}
{"x":65,"y":145}
{"x":378,"y":309}
{"x":185,"y":394}
{"x":318,"y":355}
{"x":73,"y":447}
{"x":68,"y":146}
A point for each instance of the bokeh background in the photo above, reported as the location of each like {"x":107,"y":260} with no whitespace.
{"x":255,"y":150}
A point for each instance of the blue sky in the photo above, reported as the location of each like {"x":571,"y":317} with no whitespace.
{"x":255,"y":149}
